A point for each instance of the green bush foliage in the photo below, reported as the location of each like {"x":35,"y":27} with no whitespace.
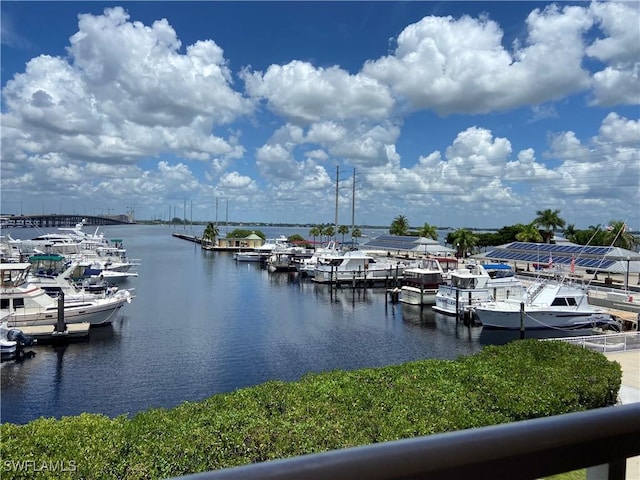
{"x":320,"y":412}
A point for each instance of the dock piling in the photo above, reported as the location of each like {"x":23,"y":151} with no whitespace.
{"x":60,"y":325}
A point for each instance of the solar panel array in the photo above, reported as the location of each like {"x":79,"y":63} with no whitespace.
{"x":585,"y":257}
{"x":392,"y":242}
{"x":566,"y":249}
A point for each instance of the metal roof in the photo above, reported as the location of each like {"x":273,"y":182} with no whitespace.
{"x":611,"y":259}
{"x":406,"y":243}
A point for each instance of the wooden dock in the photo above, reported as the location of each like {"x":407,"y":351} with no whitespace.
{"x":185,"y":236}
{"x":48,"y":333}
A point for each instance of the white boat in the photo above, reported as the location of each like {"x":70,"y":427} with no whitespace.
{"x":306,"y":265}
{"x":75,"y":244}
{"x":473,"y":284}
{"x":272,"y":244}
{"x":547,"y":304}
{"x":28,"y":304}
{"x":420,"y":284}
{"x":281,"y":261}
{"x":54,"y":274}
{"x":264,"y":251}
{"x":8,"y":348}
{"x":115,"y":277}
{"x":358,"y":266}
{"x":11,"y":339}
{"x":251,"y":256}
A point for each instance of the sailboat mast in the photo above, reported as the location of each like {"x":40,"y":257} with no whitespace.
{"x":335,"y":233}
{"x":353,"y":203}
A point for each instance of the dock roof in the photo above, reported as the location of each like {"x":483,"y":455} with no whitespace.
{"x":406,"y":243}
{"x":610,"y":259}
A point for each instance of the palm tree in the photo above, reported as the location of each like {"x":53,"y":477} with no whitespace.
{"x":570,"y":232}
{"x":464,"y":240}
{"x":592,"y":236}
{"x":549,"y":220}
{"x":399,"y":226}
{"x":617,"y":235}
{"x":315,"y":231}
{"x":210,"y":234}
{"x":428,"y":231}
{"x":356,"y":233}
{"x":343,"y":229}
{"x":529,"y":233}
{"x":329,"y":231}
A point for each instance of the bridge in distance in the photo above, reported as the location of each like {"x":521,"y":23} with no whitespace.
{"x":63,"y":220}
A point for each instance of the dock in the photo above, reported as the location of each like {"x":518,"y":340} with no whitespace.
{"x":48,"y":333}
{"x":629,"y":393}
{"x":185,"y":236}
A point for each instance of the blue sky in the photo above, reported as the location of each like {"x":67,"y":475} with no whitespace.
{"x":461,"y":114}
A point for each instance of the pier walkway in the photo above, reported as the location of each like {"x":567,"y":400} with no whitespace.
{"x":629,"y":360}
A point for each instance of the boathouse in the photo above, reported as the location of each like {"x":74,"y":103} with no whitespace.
{"x":249,"y":242}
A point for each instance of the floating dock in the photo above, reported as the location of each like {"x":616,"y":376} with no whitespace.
{"x":48,"y":333}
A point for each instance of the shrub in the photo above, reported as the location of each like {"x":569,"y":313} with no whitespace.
{"x":320,"y":412}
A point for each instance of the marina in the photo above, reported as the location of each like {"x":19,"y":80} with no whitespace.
{"x":203,"y":323}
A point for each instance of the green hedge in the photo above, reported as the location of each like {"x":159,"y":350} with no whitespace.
{"x":524,"y":379}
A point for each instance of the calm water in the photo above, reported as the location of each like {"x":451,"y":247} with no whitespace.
{"x":202,"y":324}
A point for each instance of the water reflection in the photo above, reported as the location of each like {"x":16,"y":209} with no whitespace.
{"x":419,"y":315}
{"x":501,"y":337}
{"x":202,"y":324}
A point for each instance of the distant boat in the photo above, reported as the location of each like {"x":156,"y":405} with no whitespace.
{"x":249,"y":256}
{"x":322,"y":255}
{"x":357,"y":266}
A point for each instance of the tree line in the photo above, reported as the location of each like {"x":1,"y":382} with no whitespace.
{"x":465,"y":241}
{"x":540,"y":230}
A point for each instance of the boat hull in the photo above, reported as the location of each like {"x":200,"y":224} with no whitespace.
{"x":99,"y":312}
{"x":417,"y":296}
{"x":8,"y":350}
{"x":322,"y":275}
{"x":94,"y":316}
{"x":540,"y":319}
{"x":248,"y":257}
{"x":445,"y":299}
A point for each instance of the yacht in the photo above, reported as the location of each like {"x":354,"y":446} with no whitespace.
{"x":322,"y":255}
{"x":475,"y":283}
{"x":358,"y":266}
{"x":420,"y":284}
{"x":28,"y":304}
{"x":546,"y":304}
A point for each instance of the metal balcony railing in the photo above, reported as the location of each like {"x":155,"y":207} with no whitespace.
{"x":611,"y":342}
{"x":600,"y":439}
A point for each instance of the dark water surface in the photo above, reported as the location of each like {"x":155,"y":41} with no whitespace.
{"x":202,"y":324}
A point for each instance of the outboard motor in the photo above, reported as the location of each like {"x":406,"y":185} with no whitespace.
{"x":16,"y":335}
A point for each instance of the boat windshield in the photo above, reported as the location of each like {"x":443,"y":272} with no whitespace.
{"x":14,"y":277}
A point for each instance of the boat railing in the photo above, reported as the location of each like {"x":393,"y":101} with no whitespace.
{"x":610,"y":342}
{"x":533,"y":291}
{"x":600,"y":440}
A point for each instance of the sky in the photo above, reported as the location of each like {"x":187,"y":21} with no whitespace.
{"x":456,"y":114}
